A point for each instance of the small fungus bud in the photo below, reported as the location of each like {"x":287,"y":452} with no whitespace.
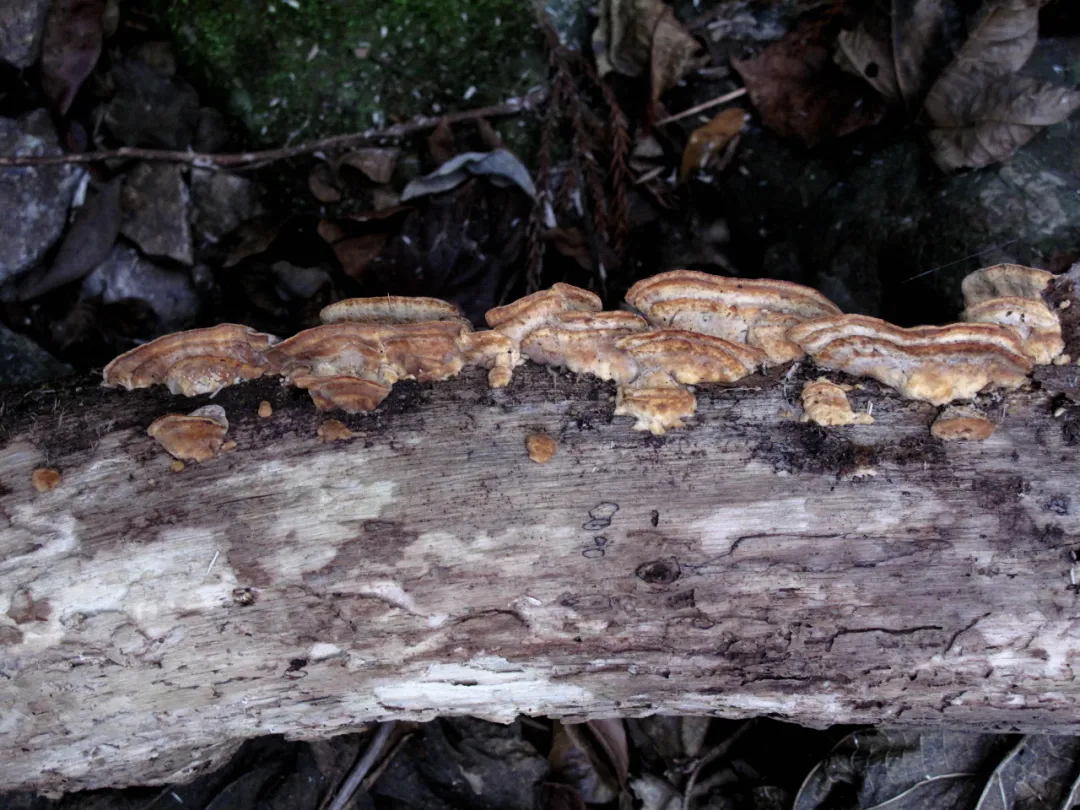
{"x":199,"y":436}
{"x":333,"y":431}
{"x":961,"y":423}
{"x":266,"y":410}
{"x":541,"y":447}
{"x":45,"y":478}
{"x":827,"y":404}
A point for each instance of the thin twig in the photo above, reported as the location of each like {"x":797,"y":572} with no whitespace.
{"x":717,"y":752}
{"x":734,"y":94}
{"x":391,"y":755}
{"x":247,"y":159}
{"x":356,"y":776}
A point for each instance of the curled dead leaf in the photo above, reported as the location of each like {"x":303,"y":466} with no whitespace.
{"x":643,"y":37}
{"x":710,"y":140}
{"x":966,"y":87}
{"x":357,"y":252}
{"x":376,"y":164}
{"x":799,"y":91}
{"x":71,"y":46}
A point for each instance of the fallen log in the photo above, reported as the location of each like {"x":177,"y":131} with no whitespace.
{"x":749,"y":564}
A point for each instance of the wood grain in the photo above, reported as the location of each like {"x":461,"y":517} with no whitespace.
{"x":747,"y":565}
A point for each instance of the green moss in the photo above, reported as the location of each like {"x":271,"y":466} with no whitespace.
{"x":304,"y":68}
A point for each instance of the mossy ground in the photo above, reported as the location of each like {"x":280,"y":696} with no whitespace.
{"x":297,"y":69}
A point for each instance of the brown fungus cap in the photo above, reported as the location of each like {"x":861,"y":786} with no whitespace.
{"x":826,"y":404}
{"x":495,"y":352}
{"x":540,"y":447}
{"x":390,"y":309}
{"x":691,"y":357}
{"x":519,"y":318}
{"x":198,"y":436}
{"x":1004,"y":281}
{"x":340,"y":349}
{"x":755,"y":312}
{"x":1034,"y":323}
{"x":199,"y":361}
{"x":586,"y":343}
{"x":657,"y":401}
{"x":958,"y":423}
{"x":350,"y":394}
{"x":427,"y":352}
{"x":935,"y":364}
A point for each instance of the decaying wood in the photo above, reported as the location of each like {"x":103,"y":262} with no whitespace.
{"x":749,"y":564}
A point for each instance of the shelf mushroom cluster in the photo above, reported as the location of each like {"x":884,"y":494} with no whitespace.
{"x":689,"y":328}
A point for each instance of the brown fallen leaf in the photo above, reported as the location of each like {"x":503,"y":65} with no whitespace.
{"x":983,"y":125}
{"x":70,"y":48}
{"x":322,"y":185}
{"x":356,"y":252}
{"x":643,"y":38}
{"x":572,"y":243}
{"x":801,"y":93}
{"x":376,"y":164}
{"x":962,"y":83}
{"x":710,"y":140}
{"x":441,"y":142}
{"x":253,"y":237}
{"x":980,"y":111}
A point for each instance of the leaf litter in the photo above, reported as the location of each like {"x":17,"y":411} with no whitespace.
{"x":977,"y":109}
{"x":461,"y":238}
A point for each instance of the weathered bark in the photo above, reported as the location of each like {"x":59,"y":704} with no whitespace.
{"x":747,"y":565}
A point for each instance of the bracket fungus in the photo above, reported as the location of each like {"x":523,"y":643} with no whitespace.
{"x":935,"y":364}
{"x":1034,"y":323}
{"x":1004,"y":281}
{"x":697,"y":328}
{"x":825,"y":403}
{"x":198,"y":436}
{"x":198,"y":361}
{"x":961,"y":423}
{"x":656,"y":401}
{"x":518,"y":318}
{"x":585,"y":342}
{"x":691,"y":357}
{"x":390,"y":309}
{"x":754,"y":312}
{"x":1011,"y":295}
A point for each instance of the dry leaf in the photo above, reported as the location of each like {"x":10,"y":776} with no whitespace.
{"x":570,"y":242}
{"x":321,"y":184}
{"x":376,"y":164}
{"x":356,"y":253}
{"x":871,"y":59}
{"x":799,"y":91}
{"x":488,"y":136}
{"x":575,"y":760}
{"x":979,"y":111}
{"x":995,"y":120}
{"x":85,"y":246}
{"x":441,"y":142}
{"x":253,"y":237}
{"x":710,"y":140}
{"x":70,"y":49}
{"x":643,"y":37}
